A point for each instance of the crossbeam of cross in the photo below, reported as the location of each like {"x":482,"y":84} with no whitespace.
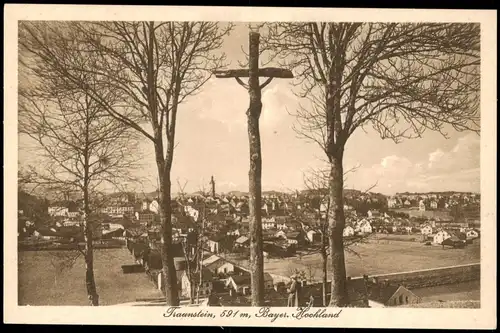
{"x":268,"y":72}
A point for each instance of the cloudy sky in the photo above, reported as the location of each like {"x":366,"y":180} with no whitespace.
{"x":212,"y":140}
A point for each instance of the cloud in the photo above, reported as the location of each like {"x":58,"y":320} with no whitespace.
{"x":454,"y":169}
{"x":275,"y":102}
{"x":435,"y":156}
{"x":463,"y":156}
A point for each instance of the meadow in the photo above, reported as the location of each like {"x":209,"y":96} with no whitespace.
{"x":41,"y":284}
{"x":470,"y":290}
{"x":378,"y":258}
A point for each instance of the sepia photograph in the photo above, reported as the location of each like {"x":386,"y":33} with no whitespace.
{"x":210,"y":164}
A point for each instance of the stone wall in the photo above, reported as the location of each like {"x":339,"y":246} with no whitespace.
{"x":433,"y":277}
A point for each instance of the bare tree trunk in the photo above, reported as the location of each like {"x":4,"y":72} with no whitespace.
{"x":171,"y":290}
{"x":324,"y":264}
{"x":336,"y":223}
{"x":255,"y":175}
{"x":89,"y":253}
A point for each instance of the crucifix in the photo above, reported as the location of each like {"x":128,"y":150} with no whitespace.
{"x":254,"y":89}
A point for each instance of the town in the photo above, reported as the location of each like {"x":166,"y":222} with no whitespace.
{"x":210,"y":233}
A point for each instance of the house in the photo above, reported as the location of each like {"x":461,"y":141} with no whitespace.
{"x":292,"y":225}
{"x":265,"y":208}
{"x":471,"y":233}
{"x":392,"y":202}
{"x":145,"y":217}
{"x":218,"y":265}
{"x":281,"y":223}
{"x":440,"y":236}
{"x":73,"y":215}
{"x":145,"y":205}
{"x":110,"y":230}
{"x":313,"y":236}
{"x":426,"y":229}
{"x":187,"y":285}
{"x":268,"y":223}
{"x":154,"y":206}
{"x":214,"y":243}
{"x":407,"y":203}
{"x":47,"y":234}
{"x":234,"y":232}
{"x":454,"y":241}
{"x":58,"y":211}
{"x":183,"y":223}
{"x":434,"y":204}
{"x":240,"y":284}
{"x":365,"y":227}
{"x":386,"y":294}
{"x":241,"y":241}
{"x":118,"y":210}
{"x":293,"y":237}
{"x":194,"y":213}
{"x":71,"y":223}
{"x":348,"y":231}
{"x":421,"y":206}
{"x":373,"y":213}
{"x":226,"y":268}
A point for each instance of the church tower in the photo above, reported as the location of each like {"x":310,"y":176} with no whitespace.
{"x":212,"y":183}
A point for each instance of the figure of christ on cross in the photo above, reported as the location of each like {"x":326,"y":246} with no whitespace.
{"x":254,"y":89}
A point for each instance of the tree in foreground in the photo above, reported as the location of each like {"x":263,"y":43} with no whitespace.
{"x":400,"y":79}
{"x":79,"y":146}
{"x":316,"y":183}
{"x":153,"y":67}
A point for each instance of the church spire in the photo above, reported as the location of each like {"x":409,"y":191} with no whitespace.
{"x":212,"y":183}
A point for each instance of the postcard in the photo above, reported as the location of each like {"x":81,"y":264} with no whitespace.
{"x":239,"y":166}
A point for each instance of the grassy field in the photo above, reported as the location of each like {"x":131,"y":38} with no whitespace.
{"x":40,"y":285}
{"x":378,"y":258}
{"x":396,"y":237}
{"x":456,"y":292}
{"x":447,"y":304}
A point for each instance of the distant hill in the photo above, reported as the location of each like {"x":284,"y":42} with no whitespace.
{"x":437,"y":193}
{"x":349,"y":193}
{"x":56,"y":195}
{"x":270,"y":193}
{"x":237,"y":193}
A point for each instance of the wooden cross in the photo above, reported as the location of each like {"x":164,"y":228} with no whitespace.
{"x":255,"y":174}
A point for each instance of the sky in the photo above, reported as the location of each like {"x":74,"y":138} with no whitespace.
{"x":212,"y":139}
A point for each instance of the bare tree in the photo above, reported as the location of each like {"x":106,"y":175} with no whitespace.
{"x":81,"y":147}
{"x":311,"y":273}
{"x":401,"y":79}
{"x":316,"y":182}
{"x":63,"y":261}
{"x":153,"y":66}
{"x":182,"y":188}
{"x":193,"y":248}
